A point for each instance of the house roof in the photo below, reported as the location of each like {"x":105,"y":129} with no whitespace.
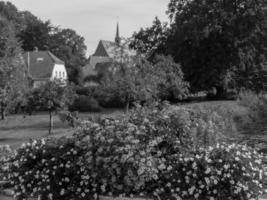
{"x":105,"y":49}
{"x":41,"y":63}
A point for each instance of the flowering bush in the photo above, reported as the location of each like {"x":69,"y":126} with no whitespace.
{"x":46,"y":169}
{"x":149,"y":153}
{"x":5,"y":153}
{"x":222,"y":172}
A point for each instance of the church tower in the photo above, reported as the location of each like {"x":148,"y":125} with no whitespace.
{"x":117,"y":38}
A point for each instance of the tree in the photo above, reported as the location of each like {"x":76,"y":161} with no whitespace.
{"x":131,"y":77}
{"x":36,"y":34}
{"x":70,"y":47}
{"x":152,"y":40}
{"x":170,"y":78}
{"x":13,"y":72}
{"x":213,"y":40}
{"x":54,"y":96}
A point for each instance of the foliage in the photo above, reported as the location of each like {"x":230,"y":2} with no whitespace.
{"x":71,"y":118}
{"x":99,"y":162}
{"x":222,"y":171}
{"x":131,"y":76}
{"x":36,"y":34}
{"x":170,"y":77}
{"x":220,"y":30}
{"x":70,"y":47}
{"x":219,"y":44}
{"x":5,"y":154}
{"x":152,"y":40}
{"x":53,"y":96}
{"x":102,"y":152}
{"x":85,"y":104}
{"x":256,"y":118}
{"x":138,"y":80}
{"x":13,"y":72}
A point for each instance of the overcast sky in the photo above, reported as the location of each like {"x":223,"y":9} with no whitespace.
{"x":96,"y":19}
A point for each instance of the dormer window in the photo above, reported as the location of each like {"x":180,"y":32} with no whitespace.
{"x":40,"y":59}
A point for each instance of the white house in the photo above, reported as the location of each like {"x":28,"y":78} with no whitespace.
{"x":43,"y":66}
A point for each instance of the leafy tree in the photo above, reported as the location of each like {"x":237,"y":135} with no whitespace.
{"x":36,"y":35}
{"x":131,"y":77}
{"x":170,"y":78}
{"x":13,"y":72}
{"x":54,"y":96}
{"x":151,"y":40}
{"x":70,"y":47}
{"x":218,"y":43}
{"x":211,"y":38}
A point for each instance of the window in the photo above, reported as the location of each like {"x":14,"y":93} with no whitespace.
{"x":40,"y":59}
{"x":59,"y":74}
{"x":63,"y":74}
{"x":56,"y":74}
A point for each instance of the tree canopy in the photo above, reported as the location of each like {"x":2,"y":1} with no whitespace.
{"x":218,"y":43}
{"x":13,"y":72}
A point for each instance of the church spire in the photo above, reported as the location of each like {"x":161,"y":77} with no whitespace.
{"x":117,"y":38}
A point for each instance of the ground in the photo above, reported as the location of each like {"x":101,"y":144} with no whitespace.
{"x":5,"y":198}
{"x":16,"y":129}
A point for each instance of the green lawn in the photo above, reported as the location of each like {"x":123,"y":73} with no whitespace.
{"x":16,"y":129}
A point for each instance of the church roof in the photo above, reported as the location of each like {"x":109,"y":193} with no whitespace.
{"x":41,"y":63}
{"x":106,"y":49}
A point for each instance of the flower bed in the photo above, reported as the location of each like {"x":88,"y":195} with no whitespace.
{"x":149,"y":154}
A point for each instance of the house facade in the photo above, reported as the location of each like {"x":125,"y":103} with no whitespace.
{"x":44,"y":66}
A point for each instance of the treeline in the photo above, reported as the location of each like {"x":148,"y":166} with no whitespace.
{"x":219,"y":44}
{"x":31,"y":32}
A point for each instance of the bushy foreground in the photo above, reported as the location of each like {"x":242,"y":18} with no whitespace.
{"x":149,"y":153}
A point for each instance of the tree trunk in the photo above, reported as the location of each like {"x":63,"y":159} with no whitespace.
{"x":2,"y":112}
{"x":50,"y":122}
{"x":220,"y":92}
{"x":127,"y":107}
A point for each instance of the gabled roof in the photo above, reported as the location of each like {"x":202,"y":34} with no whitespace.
{"x":41,"y":64}
{"x":106,"y":49}
{"x":112,"y":50}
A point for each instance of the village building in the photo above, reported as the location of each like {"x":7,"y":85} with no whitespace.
{"x":105,"y":54}
{"x":44,"y":66}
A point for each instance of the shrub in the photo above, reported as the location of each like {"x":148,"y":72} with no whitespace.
{"x":220,"y":172}
{"x":5,"y":153}
{"x":256,"y":119}
{"x":257,"y":103}
{"x":46,"y":169}
{"x":71,"y":118}
{"x":71,"y":169}
{"x":150,"y":152}
{"x":85,"y":104}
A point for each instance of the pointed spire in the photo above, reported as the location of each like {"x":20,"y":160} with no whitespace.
{"x":117,"y":38}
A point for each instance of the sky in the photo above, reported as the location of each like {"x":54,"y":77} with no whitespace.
{"x":97,"y":19}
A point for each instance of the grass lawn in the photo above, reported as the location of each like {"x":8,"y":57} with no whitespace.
{"x":16,"y":129}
